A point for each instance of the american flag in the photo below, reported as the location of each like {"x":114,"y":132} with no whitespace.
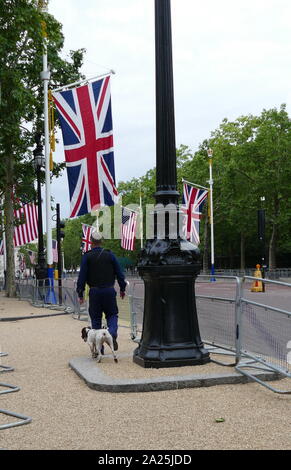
{"x":128,"y":228}
{"x":55,"y":251}
{"x":86,"y":122}
{"x":27,"y":229}
{"x":86,"y":235}
{"x":193,"y":201}
{"x":32,"y":256}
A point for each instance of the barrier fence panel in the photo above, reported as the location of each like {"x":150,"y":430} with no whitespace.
{"x":265,"y":330}
{"x":23,"y":419}
{"x":217,"y":305}
{"x":136,"y":305}
{"x":10,"y":389}
{"x":253,"y":328}
{"x":70,"y":300}
{"x":217,"y":315}
{"x":25,"y":289}
{"x":42,"y":294}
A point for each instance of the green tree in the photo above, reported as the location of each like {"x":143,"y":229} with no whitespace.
{"x":274,"y":173}
{"x":251,"y":161}
{"x":235,"y":152}
{"x":72,"y":243}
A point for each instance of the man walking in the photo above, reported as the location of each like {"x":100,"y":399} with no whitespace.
{"x":99,"y":269}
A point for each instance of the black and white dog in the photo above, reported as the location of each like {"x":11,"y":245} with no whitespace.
{"x":96,"y":339}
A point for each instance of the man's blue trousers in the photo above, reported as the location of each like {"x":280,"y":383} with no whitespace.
{"x":103,"y":300}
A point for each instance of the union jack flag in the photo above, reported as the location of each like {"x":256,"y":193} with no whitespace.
{"x":87,"y":230}
{"x":86,"y":122}
{"x":193,"y":201}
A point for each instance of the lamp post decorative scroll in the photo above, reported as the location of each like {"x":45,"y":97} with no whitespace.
{"x":168,"y":264}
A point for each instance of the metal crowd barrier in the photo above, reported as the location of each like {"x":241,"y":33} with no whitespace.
{"x":218,"y":315}
{"x":254,"y":335}
{"x":41,"y":294}
{"x":264,"y":334}
{"x":136,"y":306}
{"x":10,"y":389}
{"x":272,"y":274}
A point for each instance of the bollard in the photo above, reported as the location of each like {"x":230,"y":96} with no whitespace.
{"x":257,"y":286}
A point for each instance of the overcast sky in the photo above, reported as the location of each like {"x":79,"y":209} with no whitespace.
{"x":230,"y":59}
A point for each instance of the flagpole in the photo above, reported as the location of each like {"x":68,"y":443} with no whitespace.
{"x":45,"y":76}
{"x":141,"y":218}
{"x":210,"y":155}
{"x":97,"y":222}
{"x":85,"y":80}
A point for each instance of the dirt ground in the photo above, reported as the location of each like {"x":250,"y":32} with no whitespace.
{"x":67,"y":415}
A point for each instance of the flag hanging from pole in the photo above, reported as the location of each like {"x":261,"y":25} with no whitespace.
{"x":22,"y":264}
{"x":86,"y":122}
{"x":128,"y":229}
{"x":193,"y":202}
{"x":86,"y":237}
{"x":27,"y":229}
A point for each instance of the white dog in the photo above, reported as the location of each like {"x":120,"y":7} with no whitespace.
{"x":96,"y":339}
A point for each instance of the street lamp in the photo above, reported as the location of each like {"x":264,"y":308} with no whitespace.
{"x":168,"y":265}
{"x":38,"y":164}
{"x":210,"y":156}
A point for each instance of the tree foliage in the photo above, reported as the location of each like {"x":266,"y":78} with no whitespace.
{"x":22,"y":28}
{"x":251,"y":162}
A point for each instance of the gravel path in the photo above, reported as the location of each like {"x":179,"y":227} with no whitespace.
{"x":66,"y":414}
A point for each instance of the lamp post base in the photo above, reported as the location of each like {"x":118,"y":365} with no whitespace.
{"x":145,"y":359}
{"x":170,"y":336}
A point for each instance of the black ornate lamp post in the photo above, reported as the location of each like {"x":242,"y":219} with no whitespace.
{"x":38,"y":163}
{"x":169,"y":265}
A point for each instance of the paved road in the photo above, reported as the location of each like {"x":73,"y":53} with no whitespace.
{"x":275,"y":295}
{"x":262,"y":330}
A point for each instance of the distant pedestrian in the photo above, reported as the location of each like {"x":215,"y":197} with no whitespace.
{"x":99,"y":269}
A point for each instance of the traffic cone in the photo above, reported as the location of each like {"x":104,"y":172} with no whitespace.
{"x":257,"y":286}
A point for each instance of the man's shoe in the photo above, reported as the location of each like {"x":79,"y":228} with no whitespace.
{"x":115,"y":344}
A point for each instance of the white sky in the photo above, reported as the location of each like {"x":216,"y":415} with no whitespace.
{"x":231,"y":58}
